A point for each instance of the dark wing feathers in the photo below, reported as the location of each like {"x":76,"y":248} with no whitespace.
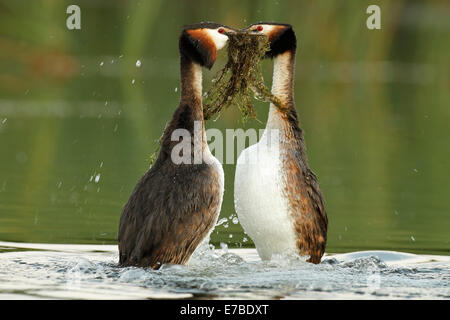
{"x":305,"y":197}
{"x":166,"y":218}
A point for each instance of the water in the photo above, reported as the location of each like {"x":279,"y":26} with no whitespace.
{"x":50,"y":271}
{"x":81,"y":111}
{"x":65,"y":177}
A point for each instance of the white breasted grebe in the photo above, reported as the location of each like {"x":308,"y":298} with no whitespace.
{"x":174,"y":207}
{"x":277,"y":196}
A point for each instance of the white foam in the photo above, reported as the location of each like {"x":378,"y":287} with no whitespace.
{"x":60,"y":271}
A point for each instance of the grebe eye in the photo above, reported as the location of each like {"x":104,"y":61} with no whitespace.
{"x":260,"y":28}
{"x":221,"y":30}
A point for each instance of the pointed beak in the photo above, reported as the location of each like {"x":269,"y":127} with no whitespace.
{"x":229,"y":32}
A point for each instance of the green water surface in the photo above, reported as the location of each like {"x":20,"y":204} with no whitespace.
{"x":79,"y":120}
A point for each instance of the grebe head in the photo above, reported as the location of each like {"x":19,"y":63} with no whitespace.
{"x":200,"y":42}
{"x":281,"y":36}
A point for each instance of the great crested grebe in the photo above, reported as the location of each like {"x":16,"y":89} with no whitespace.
{"x":277,"y":197}
{"x":175,"y":206}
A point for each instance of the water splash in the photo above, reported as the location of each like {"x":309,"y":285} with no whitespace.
{"x":69,"y":271}
{"x":221,"y":222}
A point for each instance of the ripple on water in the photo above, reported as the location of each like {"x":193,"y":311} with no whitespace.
{"x":91,"y":272}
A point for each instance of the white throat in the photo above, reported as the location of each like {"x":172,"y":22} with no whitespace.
{"x":281,"y":77}
{"x":197,"y":77}
{"x":219,"y":39}
{"x":281,"y":87}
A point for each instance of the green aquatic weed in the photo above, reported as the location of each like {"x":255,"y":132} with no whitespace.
{"x":239,"y":80}
{"x":240,"y":77}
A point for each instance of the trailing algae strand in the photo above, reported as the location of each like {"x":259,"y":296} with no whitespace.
{"x":239,"y":80}
{"x":241,"y":77}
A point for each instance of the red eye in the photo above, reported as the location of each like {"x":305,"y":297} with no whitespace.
{"x":260,"y":28}
{"x":221,"y":30}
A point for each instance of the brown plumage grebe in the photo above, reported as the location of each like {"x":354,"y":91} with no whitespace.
{"x":174,"y":207}
{"x":277,"y":196}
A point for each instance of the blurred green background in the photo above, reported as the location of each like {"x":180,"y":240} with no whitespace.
{"x":79,"y":119}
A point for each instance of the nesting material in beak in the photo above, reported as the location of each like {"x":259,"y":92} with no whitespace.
{"x":241,"y":76}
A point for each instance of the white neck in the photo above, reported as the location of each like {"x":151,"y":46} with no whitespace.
{"x":281,"y":75}
{"x":282,"y":87}
{"x":197,"y":77}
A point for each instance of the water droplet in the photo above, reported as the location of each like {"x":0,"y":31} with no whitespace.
{"x":221,"y":221}
{"x":224,"y":246}
{"x":21,"y":157}
{"x":138,"y":63}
